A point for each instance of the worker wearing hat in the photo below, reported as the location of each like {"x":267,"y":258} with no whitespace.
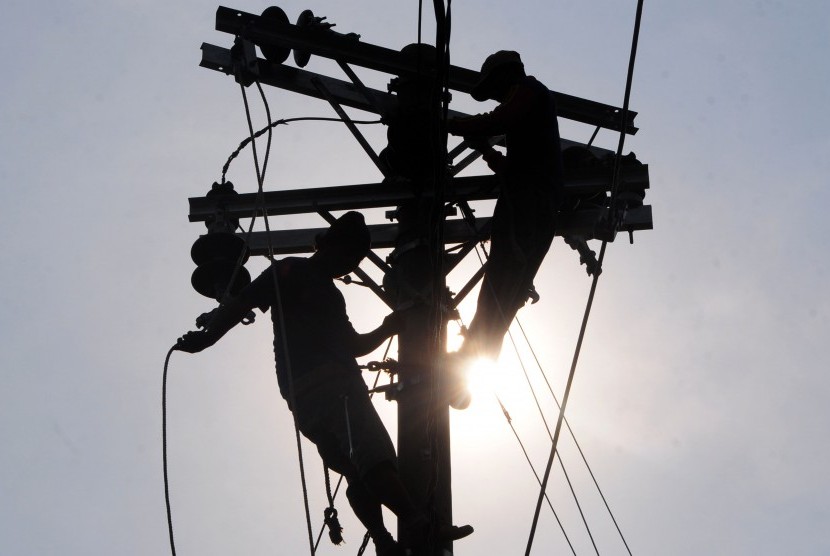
{"x":315,"y":347}
{"x":524,"y":218}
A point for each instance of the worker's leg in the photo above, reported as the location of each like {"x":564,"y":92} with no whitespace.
{"x":521,"y":237}
{"x":385,"y":484}
{"x":499,"y":288}
{"x":368,"y":510}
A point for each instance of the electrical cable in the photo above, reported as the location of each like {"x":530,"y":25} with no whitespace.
{"x":527,"y":456}
{"x":260,"y":178}
{"x":573,"y":436}
{"x":533,"y":469}
{"x":623,"y":116}
{"x":285,"y":121}
{"x":561,"y":462}
{"x":164,"y":450}
{"x":547,"y":427}
{"x":564,"y":404}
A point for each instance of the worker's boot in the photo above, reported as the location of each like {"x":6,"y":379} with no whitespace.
{"x":422,"y":529}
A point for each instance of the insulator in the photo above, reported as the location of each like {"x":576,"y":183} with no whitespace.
{"x":217,"y":255}
{"x":274,"y":17}
{"x":212,"y":279}
{"x":305,"y":21}
{"x":222,"y":246}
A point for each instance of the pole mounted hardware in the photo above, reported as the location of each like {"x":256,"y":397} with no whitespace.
{"x":220,"y":253}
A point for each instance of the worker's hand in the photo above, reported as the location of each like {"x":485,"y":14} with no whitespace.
{"x":195,"y":341}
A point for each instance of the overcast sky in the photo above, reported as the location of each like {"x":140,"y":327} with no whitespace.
{"x":700,"y":400}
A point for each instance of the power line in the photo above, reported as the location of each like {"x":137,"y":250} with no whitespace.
{"x":623,"y":116}
{"x":573,"y":437}
{"x":547,"y":428}
{"x":533,"y":469}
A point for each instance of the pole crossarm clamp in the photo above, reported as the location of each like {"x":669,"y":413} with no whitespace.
{"x":348,"y":50}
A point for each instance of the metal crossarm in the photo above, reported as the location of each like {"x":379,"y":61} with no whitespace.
{"x":288,"y":242}
{"x":352,"y":51}
{"x":390,"y":194}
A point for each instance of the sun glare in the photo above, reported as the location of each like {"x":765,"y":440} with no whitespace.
{"x":491,"y":383}
{"x":483,"y":379}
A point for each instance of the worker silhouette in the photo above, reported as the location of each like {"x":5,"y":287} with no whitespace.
{"x":524,"y":219}
{"x":315,"y":347}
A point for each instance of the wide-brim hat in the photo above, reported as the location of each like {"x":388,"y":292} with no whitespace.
{"x":492,"y":70}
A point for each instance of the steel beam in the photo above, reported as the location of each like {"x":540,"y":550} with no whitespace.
{"x":391,"y":194}
{"x":351,"y":51}
{"x":291,"y":242}
{"x":343,"y":92}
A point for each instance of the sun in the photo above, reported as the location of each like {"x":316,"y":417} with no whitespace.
{"x":496,"y":389}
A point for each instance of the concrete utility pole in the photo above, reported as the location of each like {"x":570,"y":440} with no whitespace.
{"x":418,"y":185}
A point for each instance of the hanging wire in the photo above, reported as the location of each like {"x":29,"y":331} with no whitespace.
{"x":547,"y":428}
{"x":615,"y":184}
{"x":573,"y":436}
{"x":260,"y":180}
{"x":564,"y":403}
{"x":533,"y":469}
{"x":509,"y":420}
{"x":164,"y":450}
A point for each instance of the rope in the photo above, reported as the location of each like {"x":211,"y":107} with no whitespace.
{"x":164,"y":450}
{"x":330,"y":514}
{"x":600,"y":260}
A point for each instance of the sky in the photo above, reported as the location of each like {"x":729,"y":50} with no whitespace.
{"x":700,"y":399}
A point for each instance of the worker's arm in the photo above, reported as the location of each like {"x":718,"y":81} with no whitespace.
{"x":231,"y":312}
{"x":225,"y":317}
{"x":369,"y":342}
{"x":519,"y":104}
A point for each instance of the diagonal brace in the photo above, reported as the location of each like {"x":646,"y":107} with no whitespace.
{"x":320,"y":86}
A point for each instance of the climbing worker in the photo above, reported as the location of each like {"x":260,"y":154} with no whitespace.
{"x":315,"y":347}
{"x":524,"y":219}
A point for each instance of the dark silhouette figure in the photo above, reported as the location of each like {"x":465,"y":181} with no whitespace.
{"x":315,"y":347}
{"x":524,"y":219}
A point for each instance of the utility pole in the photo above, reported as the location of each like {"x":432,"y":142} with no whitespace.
{"x":418,"y":187}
